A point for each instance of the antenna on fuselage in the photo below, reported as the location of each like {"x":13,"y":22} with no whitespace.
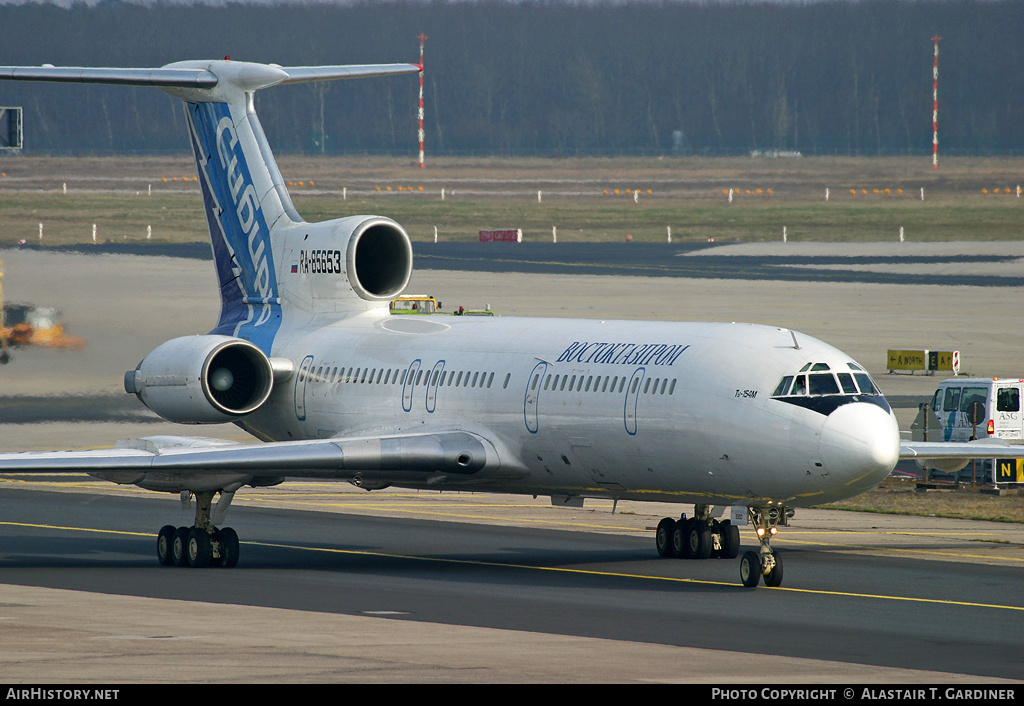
{"x":796,"y":343}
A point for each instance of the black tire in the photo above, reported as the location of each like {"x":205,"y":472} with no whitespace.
{"x":774,"y":577}
{"x":200,"y":549}
{"x":699,"y":539}
{"x":163,"y":545}
{"x":680,"y":544}
{"x":228,"y":539}
{"x":730,"y":535}
{"x":750,"y":569}
{"x":179,"y":546}
{"x":663,"y":538}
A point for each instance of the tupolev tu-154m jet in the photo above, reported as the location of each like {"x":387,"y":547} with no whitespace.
{"x":746,"y":422}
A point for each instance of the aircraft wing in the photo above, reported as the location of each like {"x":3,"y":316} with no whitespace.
{"x":447,"y":452}
{"x":947,"y":450}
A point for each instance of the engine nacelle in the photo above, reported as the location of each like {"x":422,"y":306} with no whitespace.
{"x":379,"y":259}
{"x":202,"y":379}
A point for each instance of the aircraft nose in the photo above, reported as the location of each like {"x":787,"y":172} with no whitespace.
{"x":861,"y":443}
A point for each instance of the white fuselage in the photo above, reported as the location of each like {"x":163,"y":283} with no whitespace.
{"x":654,"y":411}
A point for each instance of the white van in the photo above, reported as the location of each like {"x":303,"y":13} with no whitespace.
{"x":978,"y":408}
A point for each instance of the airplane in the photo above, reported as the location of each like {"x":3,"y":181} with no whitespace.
{"x":746,"y":422}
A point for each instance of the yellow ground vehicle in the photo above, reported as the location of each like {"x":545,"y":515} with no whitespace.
{"x":415,"y":304}
{"x":424,"y":304}
{"x":24,"y":324}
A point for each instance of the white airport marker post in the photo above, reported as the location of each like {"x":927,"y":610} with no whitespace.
{"x":554,"y":234}
{"x":669,"y":230}
{"x":149,"y":232}
{"x":538,"y":197}
{"x":442,"y":194}
{"x":783,"y":233}
{"x":901,"y":234}
{"x":40,"y":232}
{"x":922,"y":193}
{"x":826,"y":193}
{"x":730,"y":195}
{"x":65,"y":188}
{"x":435,"y":234}
{"x":94,"y":232}
{"x":344,"y":193}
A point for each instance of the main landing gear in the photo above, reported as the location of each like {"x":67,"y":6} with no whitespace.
{"x":203,"y":544}
{"x":703,"y":537}
{"x":699,"y":537}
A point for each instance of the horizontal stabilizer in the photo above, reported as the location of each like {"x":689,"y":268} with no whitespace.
{"x":199,"y":74}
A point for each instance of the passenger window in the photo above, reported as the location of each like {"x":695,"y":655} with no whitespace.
{"x":508,"y":376}
{"x":433,"y":380}
{"x":380,"y":374}
{"x":547,"y":381}
{"x":589,"y":380}
{"x":647,"y":385}
{"x":823,"y":384}
{"x":847,"y":383}
{"x":664,"y":384}
{"x":533,"y":386}
{"x":636,"y":383}
{"x":1008,"y":399}
{"x":951,"y":402}
{"x":783,"y":387}
{"x":490,"y":379}
{"x":672,"y":387}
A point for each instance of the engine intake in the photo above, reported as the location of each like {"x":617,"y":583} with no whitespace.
{"x":379,"y":259}
{"x":202,"y":379}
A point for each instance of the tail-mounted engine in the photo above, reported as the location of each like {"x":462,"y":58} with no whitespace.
{"x":379,"y":259}
{"x":202,"y":379}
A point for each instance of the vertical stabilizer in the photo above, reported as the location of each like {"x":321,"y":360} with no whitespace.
{"x":248,"y":208}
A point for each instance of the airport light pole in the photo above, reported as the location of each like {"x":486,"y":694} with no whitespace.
{"x":423,"y":38}
{"x":935,"y":105}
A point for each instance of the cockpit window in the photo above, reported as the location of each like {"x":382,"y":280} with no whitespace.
{"x":783,"y":388}
{"x":823,"y":384}
{"x":866,"y":386}
{"x":854,"y":366}
{"x":800,"y":386}
{"x":819,"y":366}
{"x":805,"y":368}
{"x":846,"y":380}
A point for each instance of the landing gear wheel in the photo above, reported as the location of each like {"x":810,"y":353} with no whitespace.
{"x":680,"y":543}
{"x":699,"y":539}
{"x":200,"y":549}
{"x":228,"y":539}
{"x":179,"y":546}
{"x":750,"y":569}
{"x":774,"y":577}
{"x":163,"y":545}
{"x":663,"y":537}
{"x":730,"y":535}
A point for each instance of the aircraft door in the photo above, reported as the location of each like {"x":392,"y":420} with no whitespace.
{"x":432,"y":382}
{"x":632,"y":397}
{"x":531,"y":398}
{"x":410,"y":384}
{"x":300,"y":388}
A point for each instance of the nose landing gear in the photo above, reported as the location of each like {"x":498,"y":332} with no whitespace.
{"x":766,"y":563}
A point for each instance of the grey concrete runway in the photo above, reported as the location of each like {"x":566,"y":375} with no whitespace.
{"x":124,"y":306}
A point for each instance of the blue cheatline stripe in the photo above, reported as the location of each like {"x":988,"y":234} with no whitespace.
{"x":250,"y":302}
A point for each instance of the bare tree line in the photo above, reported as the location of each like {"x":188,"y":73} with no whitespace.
{"x":557,"y":78}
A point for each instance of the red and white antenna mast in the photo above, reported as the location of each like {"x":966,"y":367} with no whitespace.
{"x":423,"y":38}
{"x":935,"y":105}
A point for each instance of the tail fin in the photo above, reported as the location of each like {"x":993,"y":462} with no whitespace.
{"x":244,"y":194}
